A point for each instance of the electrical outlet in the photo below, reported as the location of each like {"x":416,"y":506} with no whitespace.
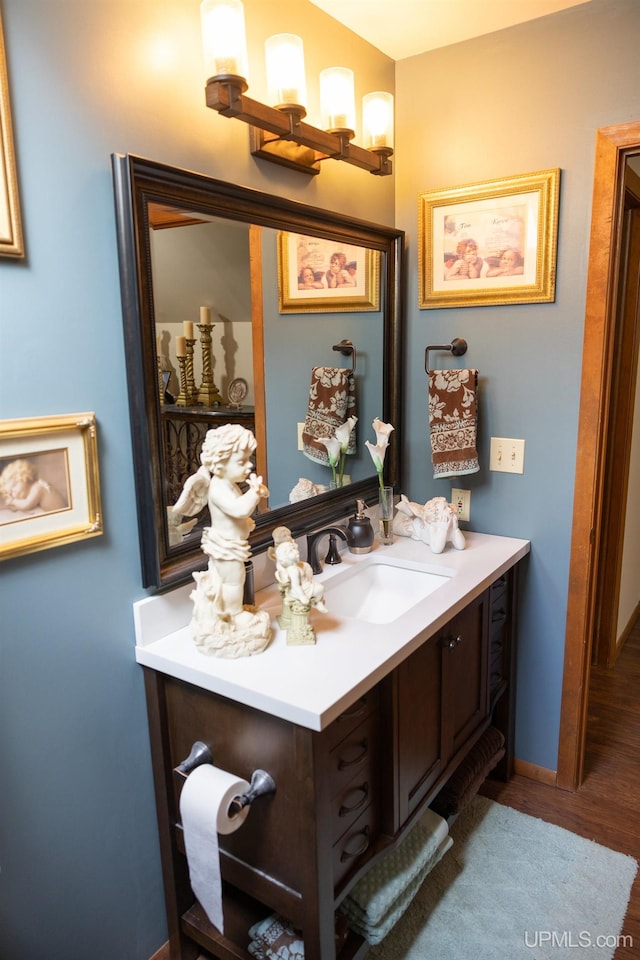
{"x":300,"y":429}
{"x":461,"y":500}
{"x":506,"y":455}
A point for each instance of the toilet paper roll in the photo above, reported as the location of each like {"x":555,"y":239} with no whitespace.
{"x":204,"y":811}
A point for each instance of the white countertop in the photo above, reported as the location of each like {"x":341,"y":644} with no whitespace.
{"x":312,"y":685}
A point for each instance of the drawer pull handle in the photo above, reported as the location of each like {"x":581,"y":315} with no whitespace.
{"x":344,"y":764}
{"x":360,"y":849}
{"x":346,"y":809}
{"x":359,"y":707}
{"x":498,"y":616}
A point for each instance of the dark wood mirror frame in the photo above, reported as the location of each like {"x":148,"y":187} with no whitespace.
{"x":139,"y":182}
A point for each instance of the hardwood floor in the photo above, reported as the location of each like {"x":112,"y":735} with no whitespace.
{"x":606,"y":808}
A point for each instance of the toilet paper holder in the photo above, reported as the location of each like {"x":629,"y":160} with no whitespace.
{"x":262,"y":783}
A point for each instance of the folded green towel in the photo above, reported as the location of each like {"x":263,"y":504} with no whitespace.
{"x":375,"y":932}
{"x":376,"y":892}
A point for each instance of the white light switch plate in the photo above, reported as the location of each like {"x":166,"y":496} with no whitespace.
{"x":506,"y":455}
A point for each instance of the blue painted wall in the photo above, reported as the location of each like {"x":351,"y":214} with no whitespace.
{"x":79,"y":866}
{"x":524,"y":99}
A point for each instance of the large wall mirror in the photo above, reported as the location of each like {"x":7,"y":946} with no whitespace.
{"x":229,"y":303}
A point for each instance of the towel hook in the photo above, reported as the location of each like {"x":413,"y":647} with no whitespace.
{"x":457,"y":347}
{"x":346,"y":348}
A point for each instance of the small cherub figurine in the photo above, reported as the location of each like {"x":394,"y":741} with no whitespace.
{"x":433,"y":523}
{"x":221,"y":624}
{"x":23,"y":490}
{"x":299,"y":590}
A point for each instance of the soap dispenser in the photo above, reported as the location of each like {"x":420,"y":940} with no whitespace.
{"x":359,"y":530}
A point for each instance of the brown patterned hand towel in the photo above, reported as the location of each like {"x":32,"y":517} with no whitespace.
{"x":332,"y":401}
{"x":453,"y":422}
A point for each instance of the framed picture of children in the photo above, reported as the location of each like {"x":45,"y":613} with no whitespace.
{"x":316,"y":275}
{"x":489,"y":243}
{"x":49,"y":483}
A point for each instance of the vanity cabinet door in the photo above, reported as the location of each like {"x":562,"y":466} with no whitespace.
{"x":465,"y":666}
{"x":438,"y":698}
{"x":420,"y":733}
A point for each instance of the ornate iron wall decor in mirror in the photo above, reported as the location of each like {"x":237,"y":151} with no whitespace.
{"x":206,"y":324}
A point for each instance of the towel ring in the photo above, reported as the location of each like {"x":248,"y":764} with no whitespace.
{"x":457,"y":347}
{"x":346,"y":348}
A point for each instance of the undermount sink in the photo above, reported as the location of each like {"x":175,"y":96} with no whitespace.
{"x":380,"y":591}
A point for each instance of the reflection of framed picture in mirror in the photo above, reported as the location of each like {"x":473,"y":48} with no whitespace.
{"x":49,"y":483}
{"x":489,"y":243}
{"x":316,"y":275}
{"x":11,"y":244}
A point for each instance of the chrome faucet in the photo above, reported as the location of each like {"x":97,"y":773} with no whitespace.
{"x":333,"y":554}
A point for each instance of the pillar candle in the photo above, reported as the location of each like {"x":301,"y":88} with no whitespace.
{"x":181,"y":347}
{"x":205,"y":315}
{"x":188,"y":329}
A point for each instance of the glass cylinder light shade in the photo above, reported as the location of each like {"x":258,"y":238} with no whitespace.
{"x":337,"y":99}
{"x":223,"y":38}
{"x":285,"y":70}
{"x":377,"y":121}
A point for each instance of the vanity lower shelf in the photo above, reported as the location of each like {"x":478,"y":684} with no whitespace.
{"x":241,"y":912}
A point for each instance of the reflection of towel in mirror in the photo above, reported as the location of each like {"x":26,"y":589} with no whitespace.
{"x":332,"y":401}
{"x":453,"y":422}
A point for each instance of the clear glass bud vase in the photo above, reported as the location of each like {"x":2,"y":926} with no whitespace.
{"x":385,"y":498}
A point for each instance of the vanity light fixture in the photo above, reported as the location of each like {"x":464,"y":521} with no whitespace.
{"x":278,"y":132}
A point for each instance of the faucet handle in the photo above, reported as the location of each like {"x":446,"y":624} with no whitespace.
{"x":333,"y":554}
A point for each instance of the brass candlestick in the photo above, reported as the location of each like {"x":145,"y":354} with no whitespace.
{"x":160,"y":382}
{"x":183,"y":399}
{"x":208,"y":393}
{"x":192,"y":390}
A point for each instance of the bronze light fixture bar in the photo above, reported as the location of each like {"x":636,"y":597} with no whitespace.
{"x":280,"y":135}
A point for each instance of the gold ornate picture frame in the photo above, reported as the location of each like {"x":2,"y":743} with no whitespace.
{"x":49,"y":483}
{"x":11,"y":242}
{"x":489,"y":243}
{"x":316,"y":275}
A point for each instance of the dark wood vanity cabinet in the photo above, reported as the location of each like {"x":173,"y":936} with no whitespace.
{"x":438,"y":699}
{"x":343,"y":796}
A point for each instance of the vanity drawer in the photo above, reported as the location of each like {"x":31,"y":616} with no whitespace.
{"x":347,"y":721}
{"x":500,"y":619}
{"x":355,"y":843}
{"x":353,"y":756}
{"x":352,"y":800}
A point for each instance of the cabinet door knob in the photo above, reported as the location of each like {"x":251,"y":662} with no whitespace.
{"x":452,"y":642}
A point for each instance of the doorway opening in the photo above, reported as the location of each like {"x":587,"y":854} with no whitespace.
{"x":614,"y":147}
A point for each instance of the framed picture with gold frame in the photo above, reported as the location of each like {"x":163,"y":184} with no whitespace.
{"x":49,"y":483}
{"x":489,"y":243}
{"x":316,"y":275}
{"x":11,"y":244}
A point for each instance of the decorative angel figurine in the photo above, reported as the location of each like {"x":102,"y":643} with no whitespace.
{"x":221,"y":625}
{"x":433,"y":524}
{"x":298,"y":589}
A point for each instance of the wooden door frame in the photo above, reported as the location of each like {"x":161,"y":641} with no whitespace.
{"x":619,"y":433}
{"x":613,"y":146}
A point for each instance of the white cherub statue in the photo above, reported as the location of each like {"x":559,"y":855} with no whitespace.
{"x":298,"y":589}
{"x":433,"y":524}
{"x":221,"y":624}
